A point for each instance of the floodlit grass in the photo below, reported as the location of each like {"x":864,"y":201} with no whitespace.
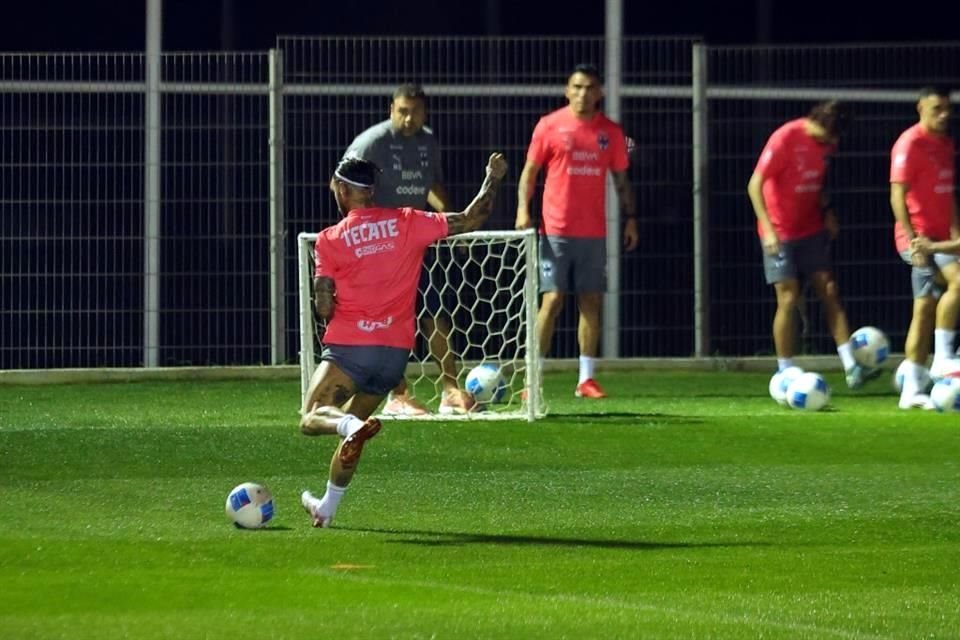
{"x":689,"y":505}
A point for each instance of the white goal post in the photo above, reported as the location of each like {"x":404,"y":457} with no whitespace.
{"x":488,"y":290}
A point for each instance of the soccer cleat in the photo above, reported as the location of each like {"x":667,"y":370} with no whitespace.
{"x":858,"y":375}
{"x":944,"y":368}
{"x":404,"y":406}
{"x":456,"y":401}
{"x":312,"y":506}
{"x":352,"y":445}
{"x":589,"y":389}
{"x":916,"y":400}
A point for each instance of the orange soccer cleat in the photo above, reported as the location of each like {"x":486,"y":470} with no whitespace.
{"x":352,"y":445}
{"x":589,"y":389}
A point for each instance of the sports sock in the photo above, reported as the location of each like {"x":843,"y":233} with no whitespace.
{"x":331,"y":500}
{"x":348,"y":425}
{"x":943,"y":343}
{"x":586,"y":368}
{"x":784,"y":363}
{"x":846,"y":355}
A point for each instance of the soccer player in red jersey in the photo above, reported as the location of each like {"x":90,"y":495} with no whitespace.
{"x":578,"y":145}
{"x":365,"y":287}
{"x":796,"y":226}
{"x":927,"y":237}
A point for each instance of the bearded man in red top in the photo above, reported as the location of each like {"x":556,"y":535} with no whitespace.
{"x":578,"y":145}
{"x":927,"y":236}
{"x":795,"y":227}
{"x":365,"y":288}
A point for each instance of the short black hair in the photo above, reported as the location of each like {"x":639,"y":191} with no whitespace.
{"x":939,"y":90}
{"x":832,"y":115}
{"x":357,"y":172}
{"x":411,"y":91}
{"x":587,"y":69}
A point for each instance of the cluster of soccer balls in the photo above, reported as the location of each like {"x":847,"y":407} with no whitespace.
{"x":809,"y":391}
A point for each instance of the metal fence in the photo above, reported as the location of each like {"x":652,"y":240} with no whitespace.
{"x":248,"y":140}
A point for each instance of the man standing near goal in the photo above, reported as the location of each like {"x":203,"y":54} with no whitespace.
{"x":927,"y":236}
{"x":578,"y":145}
{"x":796,"y":226}
{"x":365,"y":285}
{"x":409,"y":156}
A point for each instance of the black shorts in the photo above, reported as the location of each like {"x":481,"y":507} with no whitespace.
{"x":798,"y":257}
{"x":375,"y":370}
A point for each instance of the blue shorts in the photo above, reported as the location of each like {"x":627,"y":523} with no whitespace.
{"x":924,"y":280}
{"x":798,"y":257}
{"x":573,"y":265}
{"x":375,"y":370}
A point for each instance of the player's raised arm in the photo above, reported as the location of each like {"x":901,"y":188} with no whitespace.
{"x":476,"y":213}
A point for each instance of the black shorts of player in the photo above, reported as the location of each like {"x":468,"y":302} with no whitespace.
{"x":440,"y":279}
{"x":797,"y":258}
{"x":375,"y":370}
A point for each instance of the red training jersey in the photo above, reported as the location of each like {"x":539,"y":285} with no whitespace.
{"x":577,"y":154}
{"x":924,"y":162}
{"x":793,"y":165}
{"x":374,"y":257}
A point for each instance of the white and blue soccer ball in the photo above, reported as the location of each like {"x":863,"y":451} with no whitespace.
{"x":808,"y":392}
{"x":250,"y":505}
{"x":780,"y":381}
{"x":870,"y":346}
{"x":925,"y":381}
{"x":486,"y":384}
{"x":946,"y":395}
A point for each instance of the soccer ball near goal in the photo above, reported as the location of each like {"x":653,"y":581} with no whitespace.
{"x":486,"y":384}
{"x":870,"y":346}
{"x":946,"y":395}
{"x":781,"y":381}
{"x":808,"y":392}
{"x":250,"y":505}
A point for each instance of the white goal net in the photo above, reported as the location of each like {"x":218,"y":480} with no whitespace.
{"x":485,"y":283}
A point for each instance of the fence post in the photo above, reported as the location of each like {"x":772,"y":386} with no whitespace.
{"x":278,"y":304}
{"x":151,"y":194}
{"x":612,"y":106}
{"x":701,"y":204}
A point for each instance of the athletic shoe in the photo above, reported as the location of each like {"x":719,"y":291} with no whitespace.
{"x":404,"y":406}
{"x":589,"y":389}
{"x":858,"y":375}
{"x":352,"y":445}
{"x":311,"y":505}
{"x":456,"y":401}
{"x":917,"y":400}
{"x":944,"y":368}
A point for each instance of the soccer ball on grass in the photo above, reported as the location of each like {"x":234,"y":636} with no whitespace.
{"x":780,"y":381}
{"x":249,"y":505}
{"x":808,"y":392}
{"x":486,"y":384}
{"x":870,"y":346}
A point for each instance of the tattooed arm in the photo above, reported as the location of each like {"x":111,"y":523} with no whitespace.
{"x":477,"y":211}
{"x":631,"y":235}
{"x":324,"y":296}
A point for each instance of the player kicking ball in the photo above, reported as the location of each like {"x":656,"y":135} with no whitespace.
{"x":365,"y":285}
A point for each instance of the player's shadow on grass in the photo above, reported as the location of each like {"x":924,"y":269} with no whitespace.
{"x":451,"y":538}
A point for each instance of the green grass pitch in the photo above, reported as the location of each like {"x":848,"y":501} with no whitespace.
{"x":688,"y":505}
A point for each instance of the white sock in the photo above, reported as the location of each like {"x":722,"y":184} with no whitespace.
{"x":586,"y":368}
{"x":943,"y":343}
{"x":784,"y":363}
{"x":331,"y":500}
{"x":348,"y":425}
{"x":846,"y":355}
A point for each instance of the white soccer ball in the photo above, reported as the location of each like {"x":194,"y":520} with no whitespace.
{"x":946,"y":395}
{"x":780,"y":381}
{"x":945,"y":368}
{"x":870,"y":346}
{"x":924,"y":375}
{"x":486,"y":384}
{"x":808,"y":392}
{"x":250,"y":505}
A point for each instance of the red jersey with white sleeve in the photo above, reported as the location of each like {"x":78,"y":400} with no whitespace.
{"x":924,"y":162}
{"x":793,"y":165}
{"x":577,"y":155}
{"x":374,"y":257}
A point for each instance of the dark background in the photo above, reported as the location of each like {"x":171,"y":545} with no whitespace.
{"x":192,"y":25}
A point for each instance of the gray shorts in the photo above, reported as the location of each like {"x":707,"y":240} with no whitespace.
{"x":573,"y":265}
{"x":798,"y":257}
{"x":375,"y":370}
{"x":924,"y":279}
